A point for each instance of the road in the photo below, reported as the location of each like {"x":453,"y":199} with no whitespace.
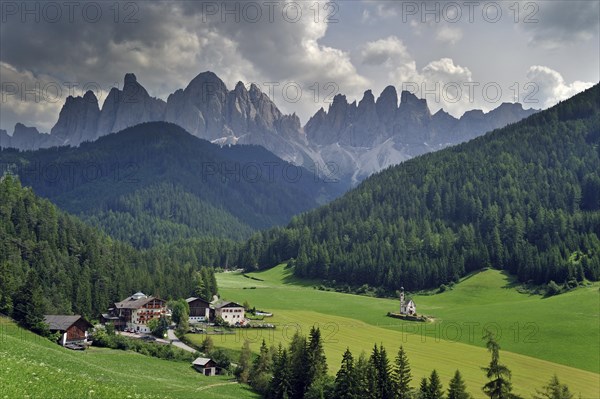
{"x":176,"y":342}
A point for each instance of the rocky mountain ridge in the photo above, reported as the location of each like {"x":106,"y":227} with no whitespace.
{"x":350,"y":140}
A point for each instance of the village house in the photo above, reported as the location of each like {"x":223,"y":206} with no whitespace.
{"x":199,"y":310}
{"x":205,"y":366}
{"x":231,"y":312}
{"x":135,"y":312}
{"x":72,"y":329}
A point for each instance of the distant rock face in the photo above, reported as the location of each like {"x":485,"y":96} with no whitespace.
{"x":367,"y":138}
{"x":207,"y":109}
{"x":27,"y":138}
{"x":128,"y":107}
{"x":355,"y":140}
{"x":4,"y":139}
{"x":78,"y":120}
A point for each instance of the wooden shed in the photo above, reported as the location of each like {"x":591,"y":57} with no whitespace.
{"x":205,"y":366}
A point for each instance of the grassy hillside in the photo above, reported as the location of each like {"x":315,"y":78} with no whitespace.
{"x":34,"y":367}
{"x":359,"y":322}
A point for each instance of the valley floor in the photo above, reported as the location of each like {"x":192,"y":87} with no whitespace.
{"x":538,"y":336}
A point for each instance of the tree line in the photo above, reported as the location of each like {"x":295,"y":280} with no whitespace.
{"x":300,"y":371}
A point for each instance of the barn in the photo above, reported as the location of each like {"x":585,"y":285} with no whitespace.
{"x":72,"y":329}
{"x":199,"y":309}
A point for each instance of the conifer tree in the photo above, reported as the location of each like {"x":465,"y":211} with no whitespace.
{"x":261,"y":372}
{"x":401,"y":375}
{"x":457,"y":388}
{"x":299,"y":365}
{"x":317,"y":362}
{"x":243,"y":368}
{"x":423,"y":389}
{"x":29,"y":305}
{"x":434,"y":388}
{"x":499,"y":386}
{"x":281,"y":386}
{"x":345,"y":380}
{"x":380,"y":383}
{"x":362,"y":369}
{"x":554,"y":390}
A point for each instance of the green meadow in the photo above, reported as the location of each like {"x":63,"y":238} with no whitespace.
{"x":539,"y":336}
{"x":33,"y":367}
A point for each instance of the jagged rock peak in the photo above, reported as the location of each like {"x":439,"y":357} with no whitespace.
{"x":89,"y":96}
{"x":389,"y":94}
{"x":406,"y":97}
{"x":254,"y":90}
{"x":511,"y":106}
{"x":388,"y":99}
{"x":130,"y":78}
{"x":206,"y":77}
{"x":338,"y":99}
{"x":240,"y":87}
{"x":368,"y":97}
{"x":387,"y":103}
{"x":21,"y":129}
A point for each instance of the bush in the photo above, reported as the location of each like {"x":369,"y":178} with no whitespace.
{"x":553,"y":289}
{"x":207,"y":345}
{"x":220,"y":357}
{"x":571,"y":284}
{"x":102,"y":339}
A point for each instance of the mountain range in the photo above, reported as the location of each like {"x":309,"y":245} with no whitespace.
{"x":355,"y":140}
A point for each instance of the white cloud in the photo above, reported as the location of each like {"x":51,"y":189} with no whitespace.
{"x":382,"y":51}
{"x":443,"y":75}
{"x":551,"y":86}
{"x":449,"y":35}
{"x":34,"y":100}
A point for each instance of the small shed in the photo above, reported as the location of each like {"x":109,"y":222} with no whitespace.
{"x":205,"y":366}
{"x":73,"y":329}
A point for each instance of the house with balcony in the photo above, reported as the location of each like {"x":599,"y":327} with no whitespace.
{"x":134,"y":313}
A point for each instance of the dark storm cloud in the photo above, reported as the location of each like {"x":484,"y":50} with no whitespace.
{"x":560,"y":23}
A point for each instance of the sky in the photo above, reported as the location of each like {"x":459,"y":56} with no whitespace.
{"x":459,"y":55}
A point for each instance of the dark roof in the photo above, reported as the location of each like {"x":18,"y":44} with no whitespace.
{"x":193,"y":299}
{"x":134,"y":302}
{"x":62,"y":322}
{"x":227,"y":304}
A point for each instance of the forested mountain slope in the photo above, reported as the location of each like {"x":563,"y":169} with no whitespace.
{"x":525,"y":198}
{"x":155,"y":183}
{"x":54,"y":263}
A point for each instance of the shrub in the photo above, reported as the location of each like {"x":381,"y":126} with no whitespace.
{"x":553,"y":289}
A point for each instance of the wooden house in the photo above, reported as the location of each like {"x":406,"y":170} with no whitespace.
{"x":72,"y":329}
{"x":199,"y":310}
